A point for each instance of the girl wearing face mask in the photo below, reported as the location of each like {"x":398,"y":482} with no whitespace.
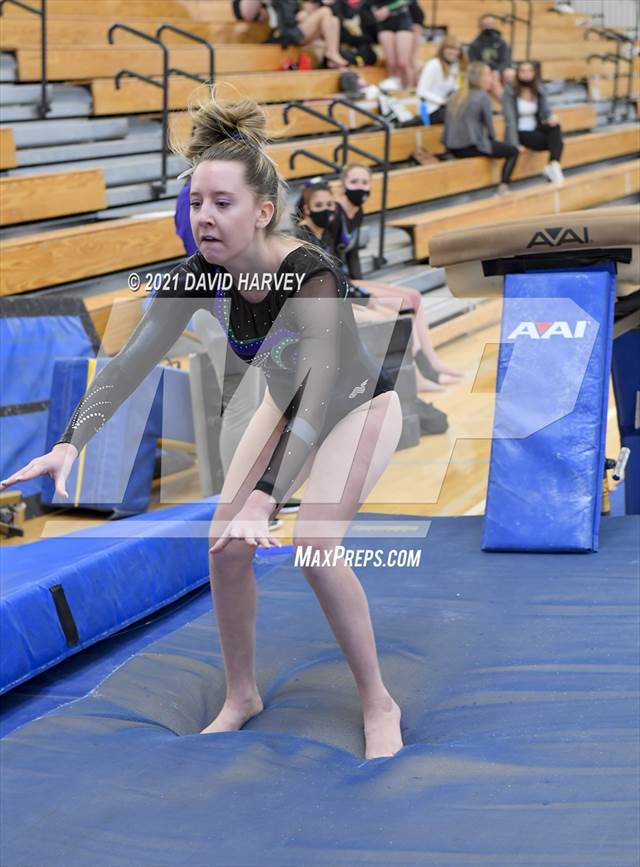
{"x":356,"y":187}
{"x":316,"y":216}
{"x":431,"y":373}
{"x":317,"y":225}
{"x":440,"y":77}
{"x":529,"y":122}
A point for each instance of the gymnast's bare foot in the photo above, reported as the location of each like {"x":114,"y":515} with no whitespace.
{"x":382,"y":728}
{"x":234,"y":714}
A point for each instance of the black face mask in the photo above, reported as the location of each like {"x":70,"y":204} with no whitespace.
{"x":523,"y":83}
{"x":323,"y":218}
{"x":357,"y":197}
{"x":491,"y":32}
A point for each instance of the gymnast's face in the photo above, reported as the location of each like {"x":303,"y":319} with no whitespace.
{"x":226,"y":214}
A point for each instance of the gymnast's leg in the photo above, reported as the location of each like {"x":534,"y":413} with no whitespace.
{"x":345,"y":469}
{"x":232,"y":579}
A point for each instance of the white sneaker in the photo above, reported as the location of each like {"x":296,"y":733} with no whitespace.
{"x":558,"y":176}
{"x":547,"y":171}
{"x":389,"y":84}
{"x":553,"y":173}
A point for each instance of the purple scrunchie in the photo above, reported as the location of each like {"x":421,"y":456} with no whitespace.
{"x":183,"y":221}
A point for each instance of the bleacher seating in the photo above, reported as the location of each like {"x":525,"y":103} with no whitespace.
{"x":136,"y":242}
{"x":90,"y":164}
{"x":7,"y":148}
{"x":54,"y":194}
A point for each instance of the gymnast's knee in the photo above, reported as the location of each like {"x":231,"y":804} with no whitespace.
{"x":234,"y":559}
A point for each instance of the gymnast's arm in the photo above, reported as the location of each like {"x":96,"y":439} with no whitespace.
{"x":159,"y":328}
{"x":318,"y":312}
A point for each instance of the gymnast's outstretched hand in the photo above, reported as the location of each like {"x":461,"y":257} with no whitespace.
{"x":251,"y":524}
{"x":56,"y":464}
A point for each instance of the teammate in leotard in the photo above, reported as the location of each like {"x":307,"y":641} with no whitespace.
{"x":328,"y":417}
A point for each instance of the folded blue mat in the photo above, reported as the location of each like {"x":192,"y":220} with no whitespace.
{"x":62,"y":594}
{"x":518,"y":679}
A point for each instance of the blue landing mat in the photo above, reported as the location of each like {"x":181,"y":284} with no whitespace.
{"x":518,"y":679}
{"x":61,"y":595}
{"x":76,"y":676}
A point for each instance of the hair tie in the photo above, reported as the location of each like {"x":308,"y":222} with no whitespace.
{"x":234,"y":135}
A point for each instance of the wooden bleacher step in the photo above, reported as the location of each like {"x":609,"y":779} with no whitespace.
{"x":53,"y":194}
{"x":585,"y":190}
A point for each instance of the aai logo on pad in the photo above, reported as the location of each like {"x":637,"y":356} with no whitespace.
{"x":556,"y":236}
{"x":546,"y":330}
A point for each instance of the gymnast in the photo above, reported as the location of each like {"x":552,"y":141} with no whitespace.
{"x":329,"y":415}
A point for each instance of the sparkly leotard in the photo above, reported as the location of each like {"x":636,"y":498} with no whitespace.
{"x":304,"y":338}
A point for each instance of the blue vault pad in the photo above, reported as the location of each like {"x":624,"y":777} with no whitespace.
{"x":547,"y":449}
{"x":517,"y":675}
{"x":62,"y":594}
{"x":115,"y":469}
{"x":34,"y":332}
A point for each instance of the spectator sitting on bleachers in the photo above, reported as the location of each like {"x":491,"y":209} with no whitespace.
{"x":358,"y":31}
{"x":440,"y":77}
{"x":395,"y":35}
{"x":489,"y":47}
{"x":317,"y":22}
{"x":468,"y":124}
{"x":314,"y":22}
{"x":529,"y":120}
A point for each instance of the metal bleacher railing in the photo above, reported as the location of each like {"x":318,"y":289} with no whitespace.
{"x":44,"y":105}
{"x":513,"y":18}
{"x":617,"y":58}
{"x":159,"y":187}
{"x":345,"y":147}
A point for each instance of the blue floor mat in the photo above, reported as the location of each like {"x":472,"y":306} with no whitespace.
{"x":518,"y":679}
{"x":76,"y":676}
{"x":60,"y":595}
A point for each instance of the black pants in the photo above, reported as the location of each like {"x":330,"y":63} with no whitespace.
{"x":499,"y":150}
{"x":544,"y":138}
{"x":437,"y":116}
